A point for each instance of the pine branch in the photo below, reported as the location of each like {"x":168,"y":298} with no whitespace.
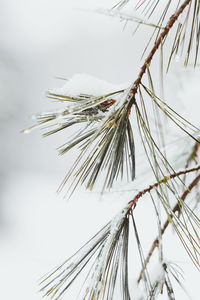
{"x":176,"y":208}
{"x":109,"y":248}
{"x":107,"y":144}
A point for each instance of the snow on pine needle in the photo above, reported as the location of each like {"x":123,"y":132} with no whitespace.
{"x":104,"y":137}
{"x":107,"y":253}
{"x":161,"y":278}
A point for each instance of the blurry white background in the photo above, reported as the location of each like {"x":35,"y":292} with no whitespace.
{"x":41,"y":40}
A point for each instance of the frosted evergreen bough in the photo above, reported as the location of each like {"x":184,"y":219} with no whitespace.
{"x":106,"y":118}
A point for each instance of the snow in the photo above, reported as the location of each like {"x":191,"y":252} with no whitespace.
{"x":157,"y":274}
{"x":87,"y":84}
{"x":117,"y":221}
{"x":135,"y":290}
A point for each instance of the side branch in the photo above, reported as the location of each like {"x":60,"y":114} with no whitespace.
{"x":176,"y":208}
{"x":157,"y":43}
{"x":133,"y":202}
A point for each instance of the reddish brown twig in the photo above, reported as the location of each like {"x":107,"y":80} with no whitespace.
{"x":176,"y":208}
{"x":157,"y":43}
{"x":133,"y":202}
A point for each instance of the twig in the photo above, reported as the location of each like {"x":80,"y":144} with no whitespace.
{"x":133,"y":202}
{"x":157,"y":43}
{"x":176,"y":208}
